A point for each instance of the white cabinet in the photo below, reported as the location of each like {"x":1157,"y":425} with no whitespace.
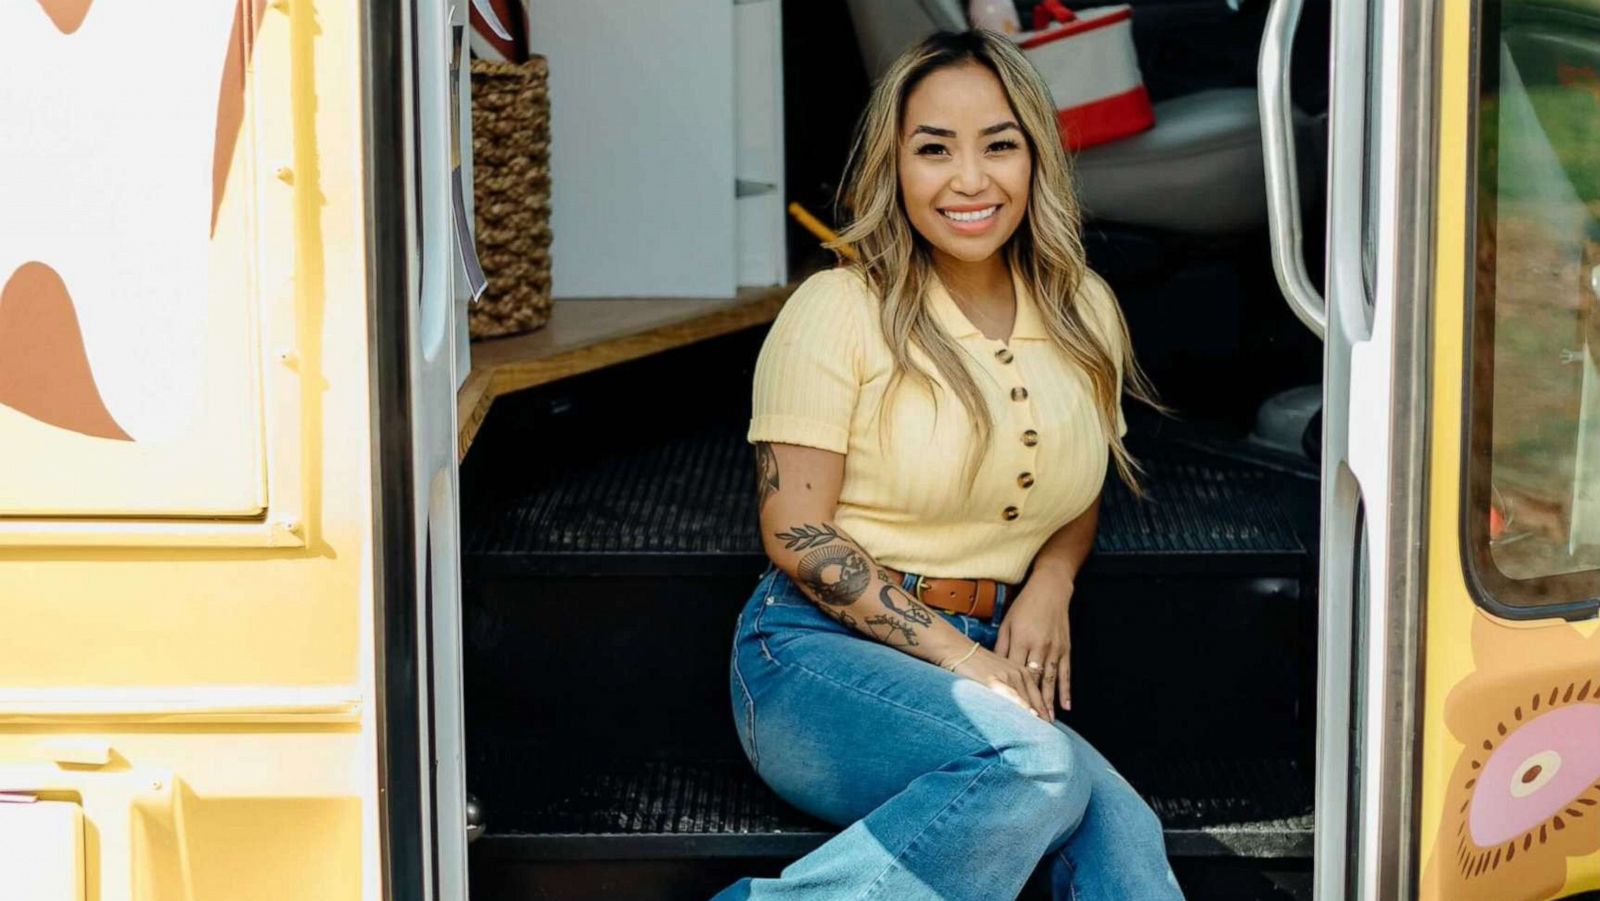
{"x":659,"y":109}
{"x":758,"y":115}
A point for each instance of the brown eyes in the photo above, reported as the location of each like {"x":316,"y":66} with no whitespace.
{"x":933,"y":148}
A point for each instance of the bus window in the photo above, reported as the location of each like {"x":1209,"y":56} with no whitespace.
{"x":1532,"y":534}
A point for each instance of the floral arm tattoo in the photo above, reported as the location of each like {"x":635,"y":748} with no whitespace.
{"x":839,"y":576}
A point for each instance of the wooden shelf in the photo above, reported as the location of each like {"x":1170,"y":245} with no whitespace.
{"x":587,"y":334}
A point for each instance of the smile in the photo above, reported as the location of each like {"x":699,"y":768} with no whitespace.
{"x":970,"y":215}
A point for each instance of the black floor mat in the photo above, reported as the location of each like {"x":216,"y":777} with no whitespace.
{"x":692,"y":495}
{"x":1245,"y":808}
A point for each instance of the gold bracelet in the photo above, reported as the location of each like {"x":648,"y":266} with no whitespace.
{"x":970,"y":651}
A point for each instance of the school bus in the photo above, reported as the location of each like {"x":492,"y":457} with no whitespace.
{"x":285,"y":569}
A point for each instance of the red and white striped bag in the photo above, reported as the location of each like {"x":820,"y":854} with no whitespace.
{"x":1093,"y":74}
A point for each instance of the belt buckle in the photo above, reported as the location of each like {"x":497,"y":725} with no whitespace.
{"x":919,"y":587}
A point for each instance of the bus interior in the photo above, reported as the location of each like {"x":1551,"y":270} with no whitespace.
{"x":608,"y":521}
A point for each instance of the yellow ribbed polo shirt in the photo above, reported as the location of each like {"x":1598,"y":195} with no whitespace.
{"x":820,"y":382}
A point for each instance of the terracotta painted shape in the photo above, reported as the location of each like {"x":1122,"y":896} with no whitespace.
{"x":67,"y":15}
{"x":1524,"y":795}
{"x":230,"y":97}
{"x":44,"y":370}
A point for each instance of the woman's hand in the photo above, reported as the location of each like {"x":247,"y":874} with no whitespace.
{"x":1036,"y":628}
{"x":1007,"y":678}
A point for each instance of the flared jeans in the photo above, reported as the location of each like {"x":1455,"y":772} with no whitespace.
{"x":943,"y":788}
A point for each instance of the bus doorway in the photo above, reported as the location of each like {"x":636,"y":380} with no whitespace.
{"x":608,"y":522}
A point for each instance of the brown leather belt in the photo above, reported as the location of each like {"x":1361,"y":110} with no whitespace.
{"x":974,"y":597}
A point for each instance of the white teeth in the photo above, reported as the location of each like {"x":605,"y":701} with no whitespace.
{"x":973,"y":216}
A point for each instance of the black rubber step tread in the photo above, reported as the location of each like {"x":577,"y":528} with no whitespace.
{"x":692,"y":496}
{"x":655,"y":809}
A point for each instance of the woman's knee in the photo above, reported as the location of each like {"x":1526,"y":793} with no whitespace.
{"x":1046,"y":762}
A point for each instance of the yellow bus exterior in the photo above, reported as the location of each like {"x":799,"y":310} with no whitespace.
{"x":195,"y":686}
{"x":1486,"y":677}
{"x":190,"y":659}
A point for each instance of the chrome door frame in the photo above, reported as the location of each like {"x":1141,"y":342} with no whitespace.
{"x":1375,"y":427}
{"x":1375,"y":449}
{"x":411,"y":268}
{"x":402,"y":830}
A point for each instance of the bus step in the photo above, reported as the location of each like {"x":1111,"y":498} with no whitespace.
{"x":668,"y":809}
{"x":681,"y":504}
{"x":672,"y":829}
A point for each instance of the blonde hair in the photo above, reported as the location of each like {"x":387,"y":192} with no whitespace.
{"x":1046,"y":252}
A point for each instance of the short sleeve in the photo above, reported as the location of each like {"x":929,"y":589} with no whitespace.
{"x":1106,"y":318}
{"x":809,"y":371}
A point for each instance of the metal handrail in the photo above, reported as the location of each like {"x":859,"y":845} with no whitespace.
{"x":1278,"y":155}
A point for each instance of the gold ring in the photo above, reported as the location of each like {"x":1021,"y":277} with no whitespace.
{"x":1035,"y":665}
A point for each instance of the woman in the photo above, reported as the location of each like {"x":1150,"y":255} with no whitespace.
{"x":932,"y":427}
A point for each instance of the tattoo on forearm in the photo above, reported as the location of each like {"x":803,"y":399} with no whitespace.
{"x":840,"y":614}
{"x":804,"y":538}
{"x":837,"y":573}
{"x":910,"y":608}
{"x":891,"y":631}
{"x":766,"y":474}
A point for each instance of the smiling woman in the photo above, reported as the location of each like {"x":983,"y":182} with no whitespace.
{"x":964,"y":178}
{"x":902,"y":536}
{"x":961,"y":124}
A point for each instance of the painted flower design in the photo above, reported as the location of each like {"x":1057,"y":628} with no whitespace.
{"x":1524,"y":795}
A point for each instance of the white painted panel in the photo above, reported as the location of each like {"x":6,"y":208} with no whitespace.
{"x":642,"y":146}
{"x":762,"y":255}
{"x":758,"y":81}
{"x":758,"y":58}
{"x":41,"y":851}
{"x":129,"y":365}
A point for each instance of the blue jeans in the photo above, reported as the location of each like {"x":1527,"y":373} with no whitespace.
{"x":945,"y":789}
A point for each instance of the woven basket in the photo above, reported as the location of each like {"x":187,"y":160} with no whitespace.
{"x":511,"y":190}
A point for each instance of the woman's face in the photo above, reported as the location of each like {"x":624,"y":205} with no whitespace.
{"x":965,"y":168}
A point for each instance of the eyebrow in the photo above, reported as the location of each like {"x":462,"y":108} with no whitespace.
{"x":947,"y":133}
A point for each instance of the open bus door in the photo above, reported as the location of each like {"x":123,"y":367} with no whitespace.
{"x":228,"y":564}
{"x":419,"y":283}
{"x":1459,"y":663}
{"x":1379,"y":191}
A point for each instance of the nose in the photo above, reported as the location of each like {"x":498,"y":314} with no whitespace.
{"x":970,"y":177}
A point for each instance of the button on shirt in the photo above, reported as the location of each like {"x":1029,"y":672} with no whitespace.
{"x":821,"y":381}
